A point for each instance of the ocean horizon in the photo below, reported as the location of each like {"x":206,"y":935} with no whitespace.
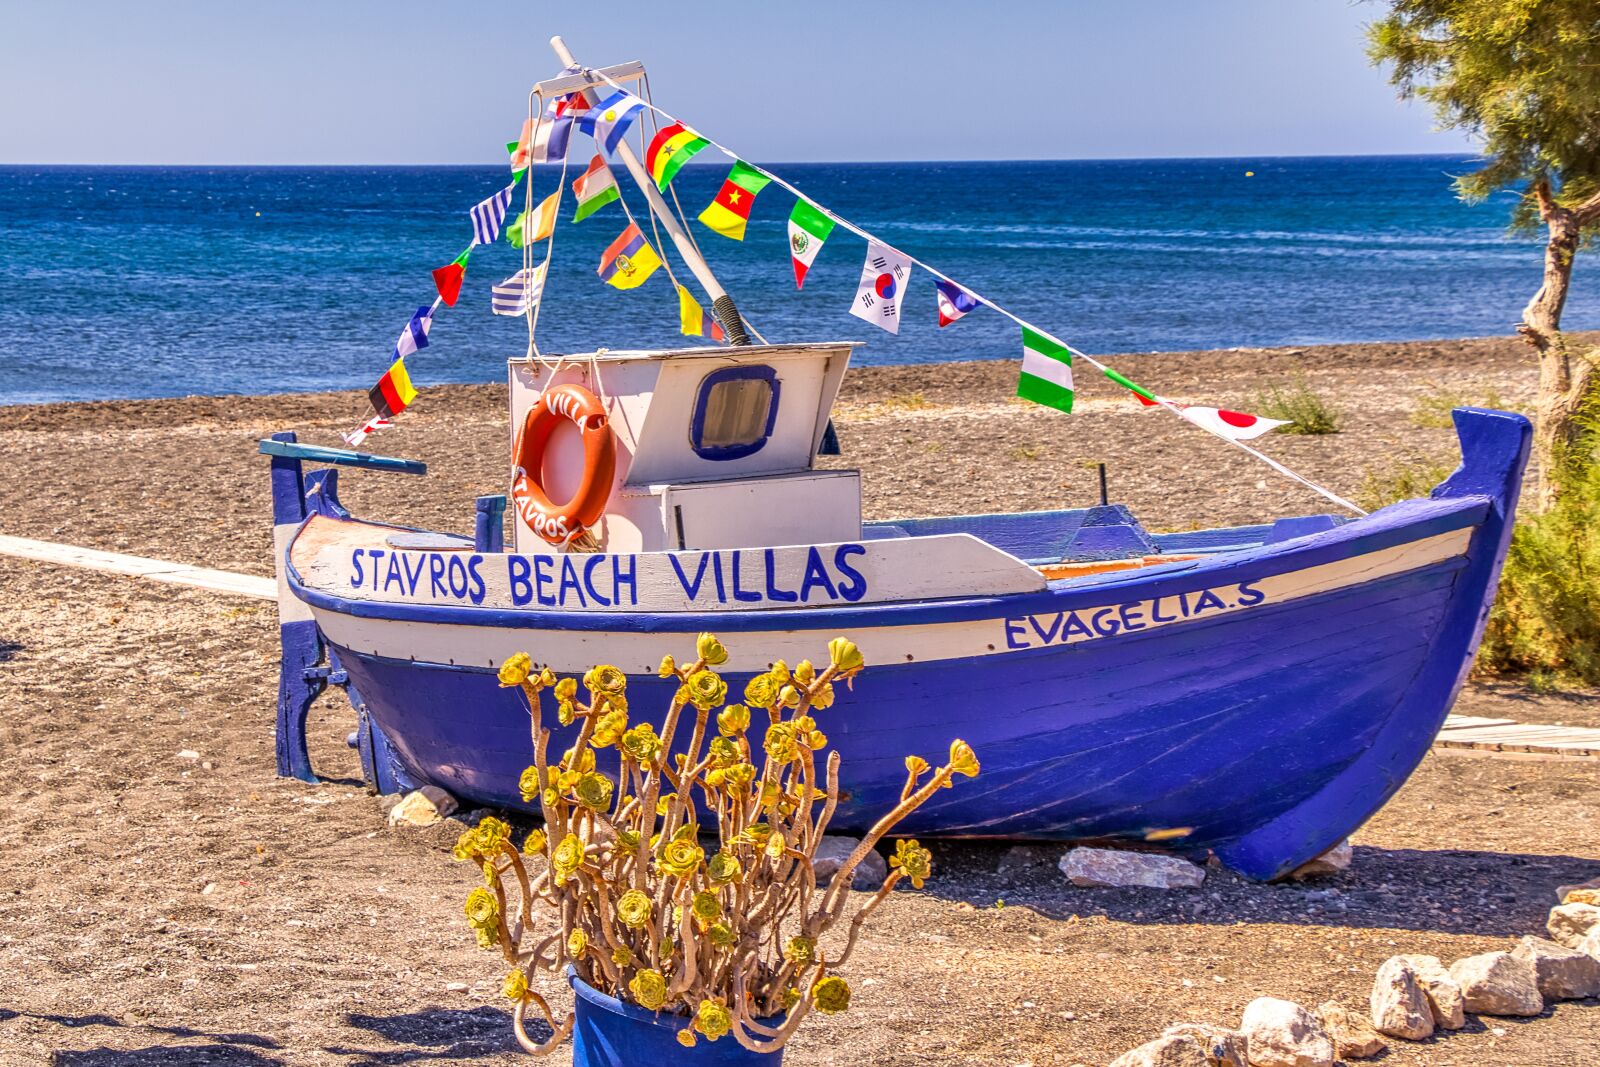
{"x":125,"y":282}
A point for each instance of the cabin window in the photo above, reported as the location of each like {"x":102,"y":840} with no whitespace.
{"x":734,"y":412}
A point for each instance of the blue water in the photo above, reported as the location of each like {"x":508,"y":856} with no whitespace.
{"x":162,"y":281}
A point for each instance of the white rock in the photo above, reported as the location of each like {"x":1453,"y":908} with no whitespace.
{"x":188,"y":753}
{"x":1498,"y":983}
{"x":1280,"y":1033}
{"x":1165,"y":1051}
{"x":1571,"y":923}
{"x":1590,"y":945}
{"x":424,"y":807}
{"x":833,"y":850}
{"x":1336,"y":859}
{"x":1104,"y":868}
{"x":1352,"y":1033}
{"x":1223,"y":1047}
{"x":1399,"y":1006}
{"x":1562,"y":973}
{"x":1444,"y":996}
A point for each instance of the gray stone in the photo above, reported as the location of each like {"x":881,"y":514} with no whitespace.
{"x":1444,"y":996}
{"x":1399,"y":1006}
{"x":1109,"y":868}
{"x":1165,"y":1051}
{"x":1223,"y":1047}
{"x":1280,"y":1033}
{"x":424,"y":807}
{"x":1498,"y":983}
{"x":833,"y":850}
{"x":1353,"y":1035}
{"x":1562,"y":973}
{"x":1570,"y":923}
{"x":1336,"y":859}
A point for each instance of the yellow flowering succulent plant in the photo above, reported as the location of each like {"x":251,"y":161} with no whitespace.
{"x":678,"y":864}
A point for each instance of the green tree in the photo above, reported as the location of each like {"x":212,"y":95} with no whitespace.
{"x":1522,"y":76}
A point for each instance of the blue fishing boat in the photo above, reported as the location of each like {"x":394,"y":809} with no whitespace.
{"x":1258,"y":691}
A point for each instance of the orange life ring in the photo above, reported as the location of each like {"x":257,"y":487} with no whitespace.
{"x":558,"y":525}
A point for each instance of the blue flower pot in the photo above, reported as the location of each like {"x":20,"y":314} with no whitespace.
{"x":608,"y":1033}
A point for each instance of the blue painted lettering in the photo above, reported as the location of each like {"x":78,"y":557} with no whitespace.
{"x":816,"y":575}
{"x":588,"y":581}
{"x":542,"y":578}
{"x":773,"y":592}
{"x":691,"y":590}
{"x":436,"y":573}
{"x":854,"y":586}
{"x":413,"y":576}
{"x":517,"y":570}
{"x":738,"y":593}
{"x":1133,"y":617}
{"x":1155,"y":612}
{"x":1075,"y":625}
{"x":1104,"y":622}
{"x":1208,"y":601}
{"x":1016,"y":634}
{"x":619,"y":578}
{"x":355,"y":562}
{"x":716,"y":572}
{"x":395,"y":575}
{"x":569,"y":580}
{"x":457,"y":567}
{"x":478,"y":590}
{"x":374,"y":554}
{"x":1048,"y":635}
{"x":1250,"y":595}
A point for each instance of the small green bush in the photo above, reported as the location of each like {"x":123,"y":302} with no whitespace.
{"x":1301,"y":406}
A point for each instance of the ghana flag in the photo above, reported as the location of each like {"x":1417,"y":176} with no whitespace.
{"x":629,"y":260}
{"x":670,"y":149}
{"x":393,"y":393}
{"x":730,"y":211}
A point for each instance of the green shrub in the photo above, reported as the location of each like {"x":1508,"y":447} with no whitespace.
{"x":1433,"y":409}
{"x":1301,"y":406}
{"x":1383,"y":486}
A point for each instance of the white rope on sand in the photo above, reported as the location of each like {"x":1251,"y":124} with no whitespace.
{"x":865,"y":235}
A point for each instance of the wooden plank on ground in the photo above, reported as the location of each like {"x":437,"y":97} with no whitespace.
{"x":156,"y":570}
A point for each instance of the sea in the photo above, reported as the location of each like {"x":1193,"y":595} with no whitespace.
{"x":130,"y":282}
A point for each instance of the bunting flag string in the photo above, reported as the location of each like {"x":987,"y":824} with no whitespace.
{"x":954,"y":301}
{"x":518,"y":293}
{"x":629,"y":260}
{"x":448,"y":278}
{"x":669,"y":150}
{"x":488,"y":215}
{"x":543,"y":219}
{"x":693,"y":320}
{"x":355,"y":438}
{"x":759,"y":178}
{"x":594,"y":189}
{"x":880,"y":292}
{"x":808,"y":228}
{"x":609,"y":120}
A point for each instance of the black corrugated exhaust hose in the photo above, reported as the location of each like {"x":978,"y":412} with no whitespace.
{"x":728,"y":315}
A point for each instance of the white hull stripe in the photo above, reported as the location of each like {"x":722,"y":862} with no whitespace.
{"x":573,"y":650}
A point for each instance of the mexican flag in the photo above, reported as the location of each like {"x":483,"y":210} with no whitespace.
{"x":808,"y":228}
{"x":1046,"y":371}
{"x":594,"y":188}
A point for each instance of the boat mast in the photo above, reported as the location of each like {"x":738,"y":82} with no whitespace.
{"x":720,"y":300}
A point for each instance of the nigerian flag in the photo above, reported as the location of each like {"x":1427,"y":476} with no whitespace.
{"x":1046,"y":371}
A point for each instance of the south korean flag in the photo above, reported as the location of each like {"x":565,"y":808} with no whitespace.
{"x":882,"y":288}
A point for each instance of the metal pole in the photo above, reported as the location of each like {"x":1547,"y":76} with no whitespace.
{"x":720,"y":300}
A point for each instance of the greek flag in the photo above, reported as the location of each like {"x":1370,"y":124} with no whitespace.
{"x":518,"y":293}
{"x":488,"y":216}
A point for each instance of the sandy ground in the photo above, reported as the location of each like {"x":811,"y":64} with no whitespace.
{"x":159,"y":909}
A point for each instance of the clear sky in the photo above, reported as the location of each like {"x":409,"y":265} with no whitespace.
{"x":401,"y":81}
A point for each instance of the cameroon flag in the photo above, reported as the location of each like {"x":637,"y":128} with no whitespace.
{"x":730,"y":211}
{"x":393,"y":393}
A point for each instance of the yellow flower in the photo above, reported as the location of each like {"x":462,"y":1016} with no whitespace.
{"x":791,"y":997}
{"x":710,"y":649}
{"x":566,"y":711}
{"x":706,"y":907}
{"x":605,"y":679}
{"x":629,"y":839}
{"x":779,"y":672}
{"x":733,"y":720}
{"x":720,"y":933}
{"x":594,"y":791}
{"x":800,"y":951}
{"x":712,"y":1019}
{"x":641,"y":743}
{"x":913,"y":859}
{"x":776,"y":845}
{"x":732,"y":778}
{"x":780,"y":744}
{"x":567,"y":858}
{"x":622,"y":956}
{"x":723,"y":867}
{"x":483,"y":912}
{"x":681,"y":856}
{"x":668,"y":668}
{"x":755,"y":834}
{"x":528,"y":784}
{"x":916,"y":766}
{"x":515,"y":670}
{"x":581,"y":762}
{"x":664,"y":801}
{"x":804,"y":672}
{"x":823,"y":697}
{"x":567,"y":689}
{"x":962,"y":759}
{"x":649,"y":990}
{"x":816,"y":740}
{"x":492,"y":833}
{"x":706,"y":689}
{"x":547,"y":678}
{"x":831,"y":995}
{"x":466,"y":846}
{"x":789,"y":696}
{"x":686,"y":1037}
{"x":845,"y":656}
{"x":760,"y":691}
{"x":609,"y":728}
{"x":577,"y":941}
{"x":515,"y":987}
{"x":533,"y":844}
{"x":634,"y":908}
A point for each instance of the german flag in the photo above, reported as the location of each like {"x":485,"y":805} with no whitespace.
{"x":393,"y":393}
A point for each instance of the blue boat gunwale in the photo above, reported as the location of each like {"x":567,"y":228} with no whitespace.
{"x":1407,"y":521}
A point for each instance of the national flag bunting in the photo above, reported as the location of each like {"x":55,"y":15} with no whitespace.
{"x":1234,"y":425}
{"x":954,"y":301}
{"x":693,"y":319}
{"x":447,"y":279}
{"x":670,"y":149}
{"x":544,"y":139}
{"x":881,"y":290}
{"x":488,"y":216}
{"x":537,"y":225}
{"x":415,"y":335}
{"x":628,"y":260}
{"x":808,"y":228}
{"x":608,"y":121}
{"x":1140,"y":393}
{"x":393,"y":393}
{"x":1046,"y":371}
{"x":730,"y":211}
{"x":519,"y":293}
{"x":362,"y":432}
{"x":594,"y":188}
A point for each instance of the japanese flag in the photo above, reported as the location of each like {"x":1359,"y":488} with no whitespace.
{"x":1235,"y":425}
{"x":882,"y":288}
